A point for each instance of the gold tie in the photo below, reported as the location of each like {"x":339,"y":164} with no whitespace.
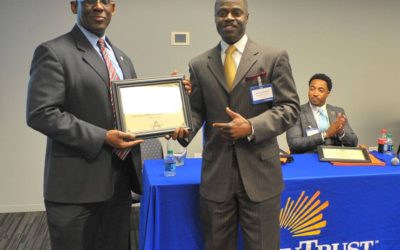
{"x":229,"y":66}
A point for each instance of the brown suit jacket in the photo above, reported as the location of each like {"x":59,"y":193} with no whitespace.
{"x":258,"y":159}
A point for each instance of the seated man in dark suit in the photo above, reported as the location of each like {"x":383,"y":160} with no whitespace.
{"x":320,"y":123}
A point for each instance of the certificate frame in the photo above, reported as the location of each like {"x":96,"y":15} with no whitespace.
{"x":343,"y":154}
{"x":151,"y":107}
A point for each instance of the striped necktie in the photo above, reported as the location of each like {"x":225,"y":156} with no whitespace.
{"x":113,"y":76}
{"x":229,"y":66}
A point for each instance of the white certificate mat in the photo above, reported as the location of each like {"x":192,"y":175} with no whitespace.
{"x":151,"y":107}
{"x":343,"y":154}
{"x":161,"y":110}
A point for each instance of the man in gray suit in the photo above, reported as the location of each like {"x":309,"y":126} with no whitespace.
{"x":241,"y":179}
{"x":320,"y":123}
{"x":86,"y":186}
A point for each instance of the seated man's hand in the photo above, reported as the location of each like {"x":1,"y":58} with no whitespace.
{"x":342,"y":119}
{"x":337,"y":128}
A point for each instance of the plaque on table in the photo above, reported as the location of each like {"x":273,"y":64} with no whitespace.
{"x":343,"y":154}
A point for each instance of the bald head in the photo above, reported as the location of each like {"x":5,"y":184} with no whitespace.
{"x":218,"y":2}
{"x":231,"y":18}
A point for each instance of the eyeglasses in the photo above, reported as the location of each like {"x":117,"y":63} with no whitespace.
{"x":93,"y":2}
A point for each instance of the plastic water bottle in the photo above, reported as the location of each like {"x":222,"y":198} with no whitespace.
{"x":389,"y":143}
{"x":169,"y":162}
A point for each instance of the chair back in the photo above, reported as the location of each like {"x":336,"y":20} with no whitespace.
{"x":151,"y":149}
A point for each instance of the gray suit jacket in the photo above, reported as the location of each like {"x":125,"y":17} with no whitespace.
{"x":258,"y":159}
{"x":298,"y":140}
{"x":68,"y":101}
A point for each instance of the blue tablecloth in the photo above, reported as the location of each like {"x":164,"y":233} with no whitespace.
{"x":324,"y":207}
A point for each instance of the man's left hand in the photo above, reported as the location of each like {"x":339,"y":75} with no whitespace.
{"x":186,"y":83}
{"x":179,"y":133}
{"x":342,"y":120}
{"x":238,"y":128}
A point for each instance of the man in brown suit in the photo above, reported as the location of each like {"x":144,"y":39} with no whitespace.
{"x":241,"y":178}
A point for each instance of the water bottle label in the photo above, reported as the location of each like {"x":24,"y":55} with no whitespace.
{"x":170,"y":167}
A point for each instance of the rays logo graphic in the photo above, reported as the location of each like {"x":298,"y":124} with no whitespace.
{"x":303,"y":217}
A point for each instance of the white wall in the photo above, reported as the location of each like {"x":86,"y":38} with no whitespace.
{"x":356,"y":42}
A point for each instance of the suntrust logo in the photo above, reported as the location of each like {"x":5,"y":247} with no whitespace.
{"x":303,"y":217}
{"x":315,"y":245}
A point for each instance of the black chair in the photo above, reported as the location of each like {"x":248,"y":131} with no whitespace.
{"x":149,"y":149}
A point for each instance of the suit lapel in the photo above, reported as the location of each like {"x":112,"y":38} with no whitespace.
{"x":90,"y":55}
{"x":331,"y":113}
{"x":122,"y":64}
{"x":121,"y":61}
{"x":215,"y":66}
{"x":246,"y":62}
{"x":310,"y":116}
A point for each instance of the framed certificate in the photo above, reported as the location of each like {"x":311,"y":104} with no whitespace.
{"x":151,"y":107}
{"x":343,"y":154}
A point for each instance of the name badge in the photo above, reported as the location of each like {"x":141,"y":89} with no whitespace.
{"x":262,"y":93}
{"x":312,"y":131}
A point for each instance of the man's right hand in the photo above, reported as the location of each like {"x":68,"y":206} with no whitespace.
{"x":337,"y":128}
{"x":120,"y":140}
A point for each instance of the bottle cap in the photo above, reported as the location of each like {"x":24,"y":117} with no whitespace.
{"x":389,"y":135}
{"x":170,"y":151}
{"x":384,"y":131}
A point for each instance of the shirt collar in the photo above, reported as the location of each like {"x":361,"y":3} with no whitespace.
{"x":240,"y":45}
{"x":93,"y":39}
{"x":315,"y":108}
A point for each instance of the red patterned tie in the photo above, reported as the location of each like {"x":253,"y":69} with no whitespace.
{"x":113,"y":76}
